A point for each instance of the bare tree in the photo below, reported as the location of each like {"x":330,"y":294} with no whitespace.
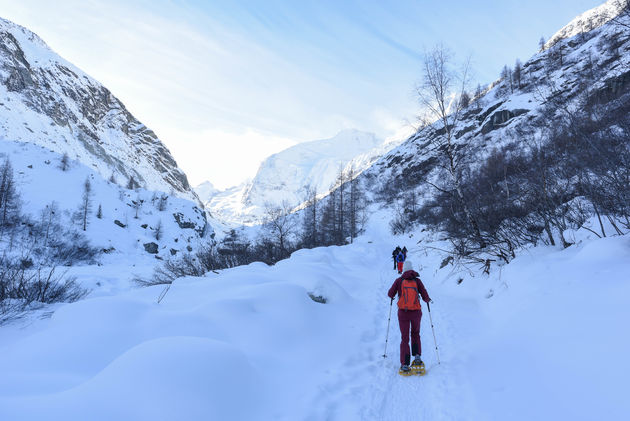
{"x":541,"y":44}
{"x":328,"y":220}
{"x":9,"y":197}
{"x":438,"y":93}
{"x":137,"y":205}
{"x":49,"y":215}
{"x":506,"y":77}
{"x":356,"y":214}
{"x":464,"y":99}
{"x":162,"y":202}
{"x":86,"y":203}
{"x":517,"y":73}
{"x":309,"y":224}
{"x":132,"y":184}
{"x":158,"y":230}
{"x":478,"y":97}
{"x":340,"y":186}
{"x":623,"y":14}
{"x":279,"y":224}
{"x":64,"y":164}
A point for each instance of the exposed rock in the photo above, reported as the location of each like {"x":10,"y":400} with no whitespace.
{"x":185,"y":223}
{"x":120,"y":224}
{"x":489,"y":111}
{"x":82,"y":112}
{"x":151,"y":248}
{"x":500,"y":118}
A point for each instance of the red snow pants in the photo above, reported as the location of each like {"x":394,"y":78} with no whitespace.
{"x":400,"y":266}
{"x":408,"y":319}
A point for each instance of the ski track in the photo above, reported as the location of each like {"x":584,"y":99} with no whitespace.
{"x":369,"y":387}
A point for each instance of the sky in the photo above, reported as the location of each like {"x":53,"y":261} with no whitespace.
{"x":224,"y":84}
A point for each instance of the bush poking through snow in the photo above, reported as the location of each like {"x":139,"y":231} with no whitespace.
{"x":318,"y":298}
{"x":185,"y":265}
{"x":22,"y":288}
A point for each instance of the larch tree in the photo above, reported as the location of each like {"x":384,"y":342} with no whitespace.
{"x":438,"y":92}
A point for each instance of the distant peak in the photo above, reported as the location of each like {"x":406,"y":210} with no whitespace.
{"x":587,"y":21}
{"x":353,"y":132}
{"x":9,"y":26}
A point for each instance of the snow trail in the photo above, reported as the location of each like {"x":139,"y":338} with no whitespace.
{"x":370,"y":388}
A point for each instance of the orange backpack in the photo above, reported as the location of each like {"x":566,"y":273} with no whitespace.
{"x":408,"y":299}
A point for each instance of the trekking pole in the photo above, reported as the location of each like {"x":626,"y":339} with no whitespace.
{"x":388,"y":320}
{"x":433,"y":329}
{"x":163,"y":293}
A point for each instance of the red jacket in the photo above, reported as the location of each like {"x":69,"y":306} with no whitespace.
{"x":410,"y":274}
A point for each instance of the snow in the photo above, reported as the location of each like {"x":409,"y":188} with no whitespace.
{"x":41,"y":182}
{"x":547,"y":342}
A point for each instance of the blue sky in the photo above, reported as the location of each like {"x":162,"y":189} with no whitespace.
{"x":226,"y":83}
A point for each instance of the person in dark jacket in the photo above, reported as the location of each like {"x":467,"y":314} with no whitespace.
{"x":407,"y":287}
{"x":394,"y":254}
{"x":404,"y":252}
{"x":400,"y":259}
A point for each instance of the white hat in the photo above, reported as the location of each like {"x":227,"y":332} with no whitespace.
{"x":407,"y":265}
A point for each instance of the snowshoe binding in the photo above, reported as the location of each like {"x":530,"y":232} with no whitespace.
{"x":417,"y":367}
{"x":405,"y":370}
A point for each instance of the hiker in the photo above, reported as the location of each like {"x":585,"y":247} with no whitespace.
{"x":400,"y":259}
{"x":404,"y":252}
{"x":394,"y":254}
{"x":408,"y":286}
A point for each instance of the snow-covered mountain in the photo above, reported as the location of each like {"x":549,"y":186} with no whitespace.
{"x":48,"y":101}
{"x":285,"y":175}
{"x":59,"y":128}
{"x":206,"y":190}
{"x":589,"y":56}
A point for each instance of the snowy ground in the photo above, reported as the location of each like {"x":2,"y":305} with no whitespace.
{"x":543,"y":338}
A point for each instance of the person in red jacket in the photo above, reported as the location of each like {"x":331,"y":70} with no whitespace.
{"x":408,"y":286}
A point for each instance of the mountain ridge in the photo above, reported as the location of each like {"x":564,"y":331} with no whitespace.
{"x":51,"y":102}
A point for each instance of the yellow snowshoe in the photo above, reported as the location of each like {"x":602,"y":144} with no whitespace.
{"x":405,"y":370}
{"x":417,"y":368}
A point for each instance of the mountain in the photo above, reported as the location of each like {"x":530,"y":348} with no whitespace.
{"x":283,"y":176}
{"x":206,"y":190}
{"x":61,"y":130}
{"x":47,"y":101}
{"x":582,"y":74}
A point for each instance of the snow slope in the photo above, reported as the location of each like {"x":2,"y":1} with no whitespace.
{"x":541,"y":338}
{"x":587,"y":21}
{"x":47,"y":101}
{"x":41,"y":183}
{"x":283,"y":176}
